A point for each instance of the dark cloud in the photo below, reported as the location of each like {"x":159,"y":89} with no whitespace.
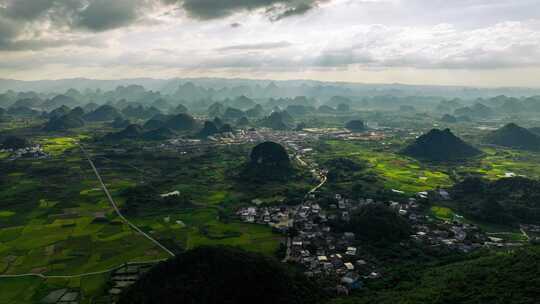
{"x":212,"y":9}
{"x":94,"y":15}
{"x":300,"y":9}
{"x":27,"y":9}
{"x":257,"y":46}
{"x":8,"y":31}
{"x":102,"y":15}
{"x":23,"y":21}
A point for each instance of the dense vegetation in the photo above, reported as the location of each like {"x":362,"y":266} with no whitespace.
{"x":504,"y":201}
{"x":343,"y":169}
{"x":510,"y":277}
{"x":221,"y":275}
{"x":377,"y":224}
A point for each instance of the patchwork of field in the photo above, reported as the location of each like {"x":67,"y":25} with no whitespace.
{"x":55,"y":219}
{"x":501,"y":162}
{"x":409,"y":175}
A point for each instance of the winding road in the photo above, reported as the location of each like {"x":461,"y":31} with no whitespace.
{"x":293,"y":214}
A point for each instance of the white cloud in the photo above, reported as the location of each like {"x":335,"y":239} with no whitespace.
{"x":352,"y":36}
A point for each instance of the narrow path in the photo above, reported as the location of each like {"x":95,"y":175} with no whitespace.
{"x":117,"y":210}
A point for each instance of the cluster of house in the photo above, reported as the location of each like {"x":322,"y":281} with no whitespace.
{"x":35,"y":152}
{"x":313,"y":244}
{"x":276,"y":217}
{"x":327,"y":253}
{"x":453,"y":235}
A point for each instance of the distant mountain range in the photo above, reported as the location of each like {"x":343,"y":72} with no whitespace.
{"x":264,"y":88}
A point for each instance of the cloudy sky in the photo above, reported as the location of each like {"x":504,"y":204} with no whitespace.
{"x":465,"y":42}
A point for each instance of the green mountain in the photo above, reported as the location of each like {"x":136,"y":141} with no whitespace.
{"x":156,"y":122}
{"x":58,"y":101}
{"x":140,"y":112}
{"x":208,"y":129}
{"x":65,"y":122}
{"x":242,"y":122}
{"x":136,"y":132}
{"x":130,"y":132}
{"x":269,"y":161}
{"x":279,"y":121}
{"x":23,"y":112}
{"x":60,"y":111}
{"x":242,"y":102}
{"x":103,"y":113}
{"x":120,"y":123}
{"x":447,"y":118}
{"x":158,"y":134}
{"x":181,"y":122}
{"x":439,"y":145}
{"x":514,"y":136}
{"x":179,"y":109}
{"x":478,"y":110}
{"x":77,"y":111}
{"x":233,"y":113}
{"x":255,"y":112}
{"x":356,"y":126}
{"x":216,"y":110}
{"x":324,"y":109}
{"x":222,"y":275}
{"x":269,"y":154}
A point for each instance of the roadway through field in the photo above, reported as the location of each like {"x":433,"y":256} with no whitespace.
{"x":117,"y":210}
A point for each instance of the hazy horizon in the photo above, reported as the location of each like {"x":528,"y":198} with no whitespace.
{"x":263,"y":79}
{"x":476,"y":43}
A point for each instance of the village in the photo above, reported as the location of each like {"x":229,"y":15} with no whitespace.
{"x":324,"y":253}
{"x":35,"y":152}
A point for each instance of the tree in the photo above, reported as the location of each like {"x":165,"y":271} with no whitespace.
{"x":378,"y":223}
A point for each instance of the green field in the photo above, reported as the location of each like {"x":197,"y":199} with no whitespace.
{"x":497,"y":162}
{"x":396,"y":171}
{"x":409,"y":175}
{"x":49,"y":224}
{"x":443,"y":213}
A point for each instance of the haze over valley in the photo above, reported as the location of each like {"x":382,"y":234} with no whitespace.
{"x":269,"y":151}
